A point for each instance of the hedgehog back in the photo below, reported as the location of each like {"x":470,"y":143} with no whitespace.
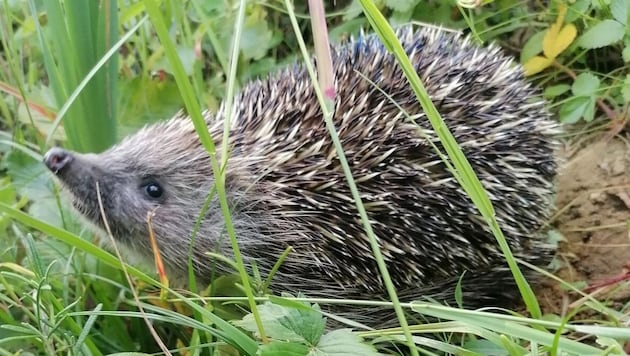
{"x":429,"y":230}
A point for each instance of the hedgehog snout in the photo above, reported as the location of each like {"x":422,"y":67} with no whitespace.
{"x":58,"y":159}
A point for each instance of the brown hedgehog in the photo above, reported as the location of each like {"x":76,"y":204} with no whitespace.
{"x":286,"y":186}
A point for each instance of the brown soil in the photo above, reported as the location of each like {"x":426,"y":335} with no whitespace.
{"x":593,"y":212}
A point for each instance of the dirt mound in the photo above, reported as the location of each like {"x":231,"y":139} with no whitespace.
{"x":594,"y":217}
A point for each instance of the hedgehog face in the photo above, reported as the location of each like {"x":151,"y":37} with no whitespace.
{"x":169,"y":176}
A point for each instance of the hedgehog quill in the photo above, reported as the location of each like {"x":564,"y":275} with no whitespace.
{"x":286,"y":186}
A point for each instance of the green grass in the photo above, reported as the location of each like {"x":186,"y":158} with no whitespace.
{"x":72,"y":80}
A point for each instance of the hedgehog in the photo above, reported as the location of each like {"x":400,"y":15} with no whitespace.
{"x":285,"y":185}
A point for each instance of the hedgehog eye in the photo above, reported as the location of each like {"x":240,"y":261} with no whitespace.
{"x":154,"y":190}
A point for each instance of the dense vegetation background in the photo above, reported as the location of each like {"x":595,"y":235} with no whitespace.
{"x":83,"y":74}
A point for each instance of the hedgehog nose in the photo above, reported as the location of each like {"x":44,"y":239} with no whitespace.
{"x":56,"y":159}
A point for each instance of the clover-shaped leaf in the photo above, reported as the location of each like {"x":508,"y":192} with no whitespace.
{"x":556,"y":40}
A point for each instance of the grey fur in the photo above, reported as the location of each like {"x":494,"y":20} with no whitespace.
{"x":286,"y":186}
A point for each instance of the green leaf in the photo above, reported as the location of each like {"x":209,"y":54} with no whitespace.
{"x":256,"y":38}
{"x":227,"y":285}
{"x":576,"y":108}
{"x":533,"y":46}
{"x":577,"y":10}
{"x":144,"y":100}
{"x":343,"y":342}
{"x":589,"y":111}
{"x":620,"y":10}
{"x":279,"y":348}
{"x":352,"y":11}
{"x":402,"y":5}
{"x":7,"y":191}
{"x":30,"y":177}
{"x":586,"y":84}
{"x":288,"y":324}
{"x":603,"y":34}
{"x":32,"y":180}
{"x":8,"y":195}
{"x":186,"y":56}
{"x":556,"y":90}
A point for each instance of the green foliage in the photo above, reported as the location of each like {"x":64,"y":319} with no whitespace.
{"x":602,"y":29}
{"x":582,"y":104}
{"x":299,"y":330}
{"x":76,"y":36}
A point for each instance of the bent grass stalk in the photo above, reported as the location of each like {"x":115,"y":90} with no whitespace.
{"x":194,"y":110}
{"x":154,"y":333}
{"x":231,"y":82}
{"x":276,"y":267}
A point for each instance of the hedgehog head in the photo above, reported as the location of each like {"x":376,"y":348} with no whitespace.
{"x":170,"y":177}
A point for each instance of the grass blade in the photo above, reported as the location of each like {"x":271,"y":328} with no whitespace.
{"x":464,"y":173}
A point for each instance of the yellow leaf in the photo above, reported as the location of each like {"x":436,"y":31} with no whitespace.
{"x":549,"y":39}
{"x":553,"y":46}
{"x":558,"y":38}
{"x":562,"y":11}
{"x":536,"y":65}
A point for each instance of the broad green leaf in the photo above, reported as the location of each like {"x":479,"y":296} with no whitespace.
{"x":257,"y":37}
{"x":577,"y":9}
{"x":7,"y":191}
{"x":8,"y":195}
{"x":402,"y":5}
{"x":399,"y":18}
{"x":30,"y":178}
{"x":532,"y":47}
{"x":144,"y":100}
{"x":186,"y":55}
{"x":352,"y":11}
{"x":227,"y":285}
{"x":536,"y":65}
{"x":589,"y":111}
{"x":603,"y":34}
{"x":556,"y":90}
{"x":620,"y":10}
{"x":288,"y":324}
{"x":586,"y":84}
{"x":573,"y":110}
